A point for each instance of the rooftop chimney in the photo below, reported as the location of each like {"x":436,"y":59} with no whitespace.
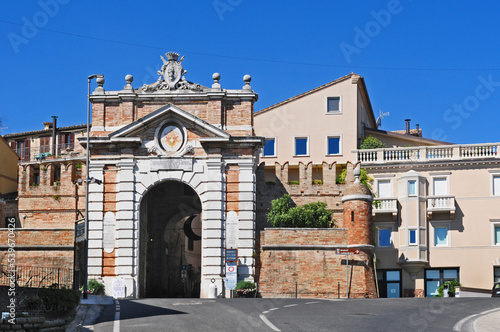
{"x":418,"y":130}
{"x":54,"y":134}
{"x":407,"y":126}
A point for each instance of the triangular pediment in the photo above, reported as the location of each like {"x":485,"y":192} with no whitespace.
{"x":166,"y":113}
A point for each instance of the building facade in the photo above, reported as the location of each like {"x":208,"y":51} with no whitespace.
{"x":435,"y":211}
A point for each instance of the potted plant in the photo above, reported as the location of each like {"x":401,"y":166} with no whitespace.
{"x":245,"y":289}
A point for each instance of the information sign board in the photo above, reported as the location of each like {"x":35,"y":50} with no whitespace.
{"x":231,"y":255}
{"x":348,"y":251}
{"x":231,"y":275}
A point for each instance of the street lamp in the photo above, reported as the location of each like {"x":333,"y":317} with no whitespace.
{"x":87,"y":177}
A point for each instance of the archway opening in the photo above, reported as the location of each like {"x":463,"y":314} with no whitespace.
{"x":170,"y":241}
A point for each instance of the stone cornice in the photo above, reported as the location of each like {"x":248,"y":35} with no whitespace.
{"x":438,"y":165}
{"x":114,"y":96}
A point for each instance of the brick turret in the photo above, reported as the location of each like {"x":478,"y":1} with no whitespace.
{"x":358,"y":221}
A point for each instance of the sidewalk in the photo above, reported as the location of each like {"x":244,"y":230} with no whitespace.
{"x":88,"y":311}
{"x":487,"y":323}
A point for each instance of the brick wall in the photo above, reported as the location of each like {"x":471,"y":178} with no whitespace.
{"x":287,"y":265}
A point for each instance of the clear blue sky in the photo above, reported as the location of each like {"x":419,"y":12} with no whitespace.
{"x":434,"y":62}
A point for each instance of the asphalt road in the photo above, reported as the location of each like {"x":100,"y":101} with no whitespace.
{"x":405,"y":314}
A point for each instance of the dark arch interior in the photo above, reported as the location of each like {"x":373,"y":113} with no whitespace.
{"x":170,"y":241}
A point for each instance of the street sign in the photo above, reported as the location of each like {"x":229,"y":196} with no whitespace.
{"x":231,"y":255}
{"x":231,"y":275}
{"x":348,"y":251}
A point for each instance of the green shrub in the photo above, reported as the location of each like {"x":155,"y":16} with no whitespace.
{"x":318,"y":182}
{"x":242,"y":285}
{"x":32,"y":303}
{"x":95,"y":287}
{"x":55,"y":298}
{"x":293,"y":182}
{"x":364,"y":178}
{"x":452,"y":284}
{"x":371,"y":142}
{"x":283,"y":213}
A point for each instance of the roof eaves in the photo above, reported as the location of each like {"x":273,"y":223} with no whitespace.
{"x":338,"y":80}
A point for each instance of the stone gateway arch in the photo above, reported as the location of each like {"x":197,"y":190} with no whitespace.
{"x":175,"y":160}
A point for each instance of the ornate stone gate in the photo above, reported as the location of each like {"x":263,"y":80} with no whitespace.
{"x":178,"y":132}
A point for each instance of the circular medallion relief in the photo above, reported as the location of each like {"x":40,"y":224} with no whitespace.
{"x":171,"y":138}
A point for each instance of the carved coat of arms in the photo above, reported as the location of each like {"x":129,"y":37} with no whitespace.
{"x":171,"y":138}
{"x":171,"y":75}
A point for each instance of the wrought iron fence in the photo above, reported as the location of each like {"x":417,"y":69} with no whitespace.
{"x":36,"y":276}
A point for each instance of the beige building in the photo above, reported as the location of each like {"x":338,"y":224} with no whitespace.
{"x":8,"y":168}
{"x":436,"y":214}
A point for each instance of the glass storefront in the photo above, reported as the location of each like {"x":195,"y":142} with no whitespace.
{"x":434,"y":278}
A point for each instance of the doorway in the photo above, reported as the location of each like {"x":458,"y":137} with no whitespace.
{"x":170,"y":241}
{"x":389,"y":283}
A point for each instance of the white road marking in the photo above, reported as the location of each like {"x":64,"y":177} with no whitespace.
{"x":290,"y":305}
{"x":273,"y":309}
{"x":186,"y":303}
{"x":458,"y":326}
{"x":116,"y":323}
{"x":312,"y":302}
{"x":268,"y":323}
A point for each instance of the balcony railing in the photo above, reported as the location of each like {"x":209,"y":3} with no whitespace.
{"x":440,"y":204}
{"x":44,"y":152}
{"x":429,"y":153}
{"x":385,"y":205}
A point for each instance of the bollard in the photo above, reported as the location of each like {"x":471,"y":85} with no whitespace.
{"x":338,"y":290}
{"x":212,"y":290}
{"x":295,"y":289}
{"x":457,"y":291}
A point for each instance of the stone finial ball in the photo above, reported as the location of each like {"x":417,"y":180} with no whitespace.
{"x":357,"y":171}
{"x":100,"y":81}
{"x":129,"y":78}
{"x":247,"y":78}
{"x":216,"y":76}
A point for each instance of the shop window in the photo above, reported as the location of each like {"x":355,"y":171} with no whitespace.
{"x":389,"y":283}
{"x":434,"y":278}
{"x":496,"y":273}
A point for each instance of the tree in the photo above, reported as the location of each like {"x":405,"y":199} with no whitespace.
{"x":371,"y":142}
{"x":284,"y":213}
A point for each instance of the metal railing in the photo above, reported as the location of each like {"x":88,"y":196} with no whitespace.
{"x":41,"y":152}
{"x":429,"y":153}
{"x":36,"y":276}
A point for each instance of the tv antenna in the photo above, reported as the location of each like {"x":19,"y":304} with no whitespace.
{"x":380,"y":117}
